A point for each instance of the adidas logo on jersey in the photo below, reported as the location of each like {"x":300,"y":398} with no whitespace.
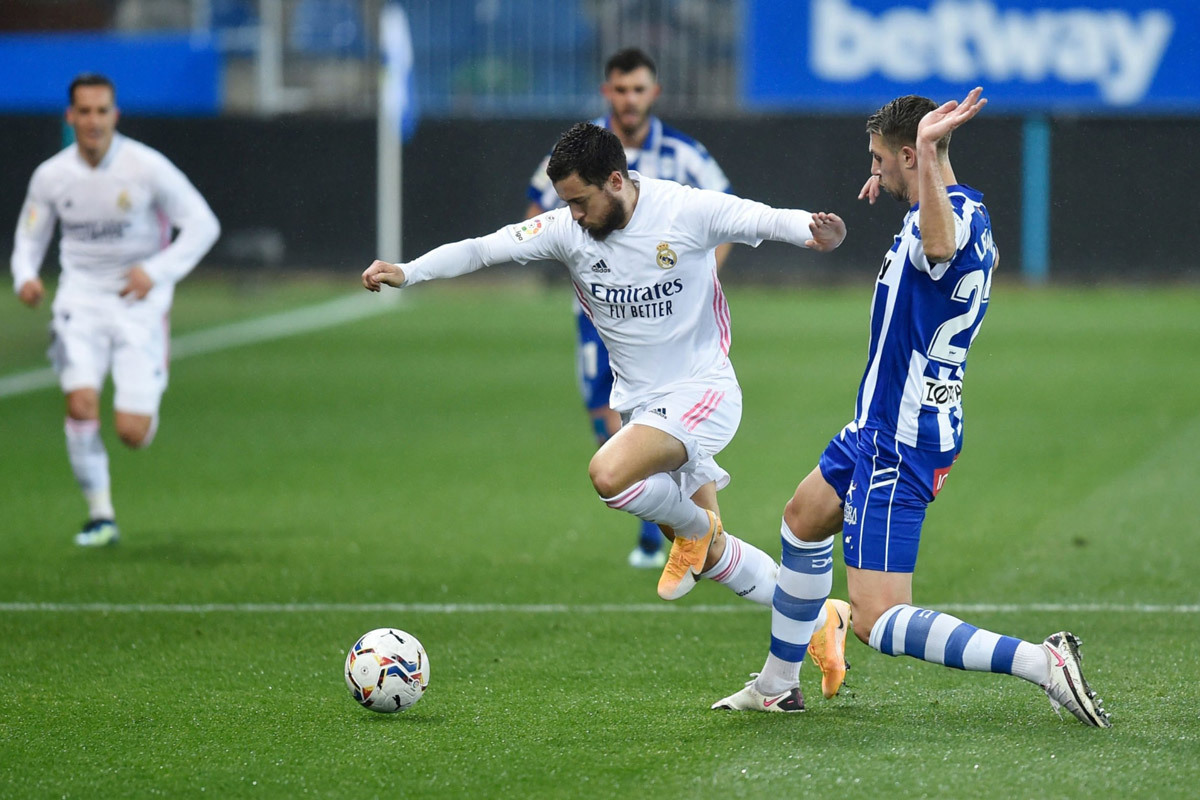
{"x":600,"y":267}
{"x":662,"y":412}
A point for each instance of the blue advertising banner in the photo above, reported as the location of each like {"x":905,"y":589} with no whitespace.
{"x":154,"y":74}
{"x":1029,"y":55}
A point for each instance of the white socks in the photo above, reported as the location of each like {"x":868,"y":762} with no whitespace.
{"x":89,"y":462}
{"x":658,"y":499}
{"x":746,"y":570}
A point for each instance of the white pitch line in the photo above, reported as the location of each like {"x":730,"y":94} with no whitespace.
{"x":235,"y":334}
{"x":549,"y":608}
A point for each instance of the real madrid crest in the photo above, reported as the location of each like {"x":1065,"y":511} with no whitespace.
{"x":123,"y":201}
{"x":666,"y":257}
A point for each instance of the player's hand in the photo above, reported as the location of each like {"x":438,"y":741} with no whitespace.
{"x":381,"y":272}
{"x":828,"y":231}
{"x":137,"y":283}
{"x":31,"y":292}
{"x":948,"y":116}
{"x":870,"y":190}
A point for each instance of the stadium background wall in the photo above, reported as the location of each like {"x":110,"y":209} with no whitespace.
{"x":299,"y":193}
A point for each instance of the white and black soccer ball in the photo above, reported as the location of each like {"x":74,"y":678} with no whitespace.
{"x":387,"y":670}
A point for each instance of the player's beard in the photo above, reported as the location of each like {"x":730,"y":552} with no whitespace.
{"x":898,"y":195}
{"x":612,"y":220}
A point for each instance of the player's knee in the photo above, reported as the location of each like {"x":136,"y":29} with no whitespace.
{"x":605,"y":478}
{"x":83,"y":405}
{"x":134,"y":431}
{"x":811,"y":521}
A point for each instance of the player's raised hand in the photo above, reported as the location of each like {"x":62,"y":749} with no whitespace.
{"x":137,"y":283}
{"x":828,"y":231}
{"x":31,"y":292}
{"x":870,"y":190}
{"x":381,"y":272}
{"x":948,"y":116}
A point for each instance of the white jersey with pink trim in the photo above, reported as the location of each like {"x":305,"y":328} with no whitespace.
{"x":114,"y":215}
{"x":650,"y":288}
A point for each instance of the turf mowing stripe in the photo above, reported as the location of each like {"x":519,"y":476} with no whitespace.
{"x":235,"y":334}
{"x":550,"y":608}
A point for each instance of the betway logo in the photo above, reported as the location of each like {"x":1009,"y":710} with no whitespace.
{"x":974,"y":41}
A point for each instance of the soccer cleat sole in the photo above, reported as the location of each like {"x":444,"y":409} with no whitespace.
{"x":1075,"y":695}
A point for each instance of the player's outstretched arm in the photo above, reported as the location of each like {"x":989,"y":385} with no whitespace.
{"x":828,"y":231}
{"x":933,"y":174}
{"x":381,"y":272}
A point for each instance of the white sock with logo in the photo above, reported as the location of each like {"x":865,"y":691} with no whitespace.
{"x":746,"y":570}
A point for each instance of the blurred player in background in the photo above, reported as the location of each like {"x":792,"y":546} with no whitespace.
{"x":117,"y":201}
{"x":655,"y":151}
{"x":878,"y":475}
{"x":641,"y":255}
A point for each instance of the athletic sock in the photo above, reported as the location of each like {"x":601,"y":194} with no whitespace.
{"x":944,"y":639}
{"x":89,"y":462}
{"x":658,"y":499}
{"x":805,"y":580}
{"x":746,"y":570}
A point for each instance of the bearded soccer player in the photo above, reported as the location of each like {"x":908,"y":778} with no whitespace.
{"x":654,"y":150}
{"x":878,"y":475}
{"x":116,"y":201}
{"x":641,"y":256}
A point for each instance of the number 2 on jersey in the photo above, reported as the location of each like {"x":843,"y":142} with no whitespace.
{"x":972,"y":288}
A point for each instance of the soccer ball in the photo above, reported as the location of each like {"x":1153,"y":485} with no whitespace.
{"x":387,"y":670}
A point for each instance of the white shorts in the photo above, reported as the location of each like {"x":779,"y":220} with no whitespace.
{"x":704,"y":420}
{"x":88,"y":339}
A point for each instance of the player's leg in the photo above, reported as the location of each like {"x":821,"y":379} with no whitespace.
{"x":659,"y":459}
{"x":631,"y":472}
{"x":140,"y":374}
{"x":595,"y":385}
{"x":802,"y":615}
{"x":800,"y":604}
{"x":736,"y":564}
{"x":135,"y":430}
{"x":89,"y":464}
{"x":80,"y":352}
{"x":883,"y":523}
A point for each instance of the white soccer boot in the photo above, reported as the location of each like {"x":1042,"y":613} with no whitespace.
{"x":1066,"y":687}
{"x":750,"y":699}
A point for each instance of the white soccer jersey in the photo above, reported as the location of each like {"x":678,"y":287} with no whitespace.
{"x":667,"y":153}
{"x":113,"y":216}
{"x":651,"y":288}
{"x":924,"y":318}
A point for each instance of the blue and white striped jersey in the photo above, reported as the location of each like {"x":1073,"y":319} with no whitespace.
{"x":666,"y":154}
{"x":923,"y":319}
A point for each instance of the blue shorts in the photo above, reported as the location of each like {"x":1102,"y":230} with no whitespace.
{"x":885,"y":487}
{"x":591,"y":365}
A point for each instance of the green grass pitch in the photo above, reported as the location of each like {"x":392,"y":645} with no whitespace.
{"x":437,"y":454}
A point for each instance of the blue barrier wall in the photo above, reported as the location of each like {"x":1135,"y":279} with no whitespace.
{"x":154,"y":74}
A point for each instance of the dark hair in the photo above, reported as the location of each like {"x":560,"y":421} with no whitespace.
{"x":589,"y":151}
{"x":89,"y":79}
{"x":897,"y":122}
{"x":628,"y":60}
